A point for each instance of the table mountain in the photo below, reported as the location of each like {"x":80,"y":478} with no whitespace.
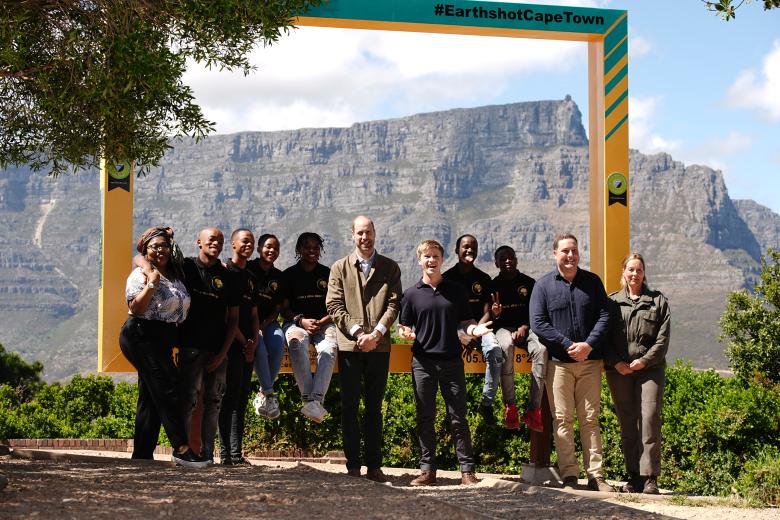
{"x":510,"y":174}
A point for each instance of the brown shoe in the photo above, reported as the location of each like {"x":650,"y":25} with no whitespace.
{"x":426,"y":478}
{"x":570,"y":482}
{"x":651,"y":486}
{"x":376,"y":475}
{"x":353,"y":472}
{"x":468,"y":478}
{"x":599,"y":484}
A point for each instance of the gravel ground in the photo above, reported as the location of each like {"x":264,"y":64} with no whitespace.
{"x":62,"y":485}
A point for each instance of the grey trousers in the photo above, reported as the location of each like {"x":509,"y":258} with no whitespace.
{"x":638,"y":398}
{"x":195,"y":381}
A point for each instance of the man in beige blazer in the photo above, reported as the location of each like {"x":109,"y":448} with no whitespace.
{"x":364,"y":298}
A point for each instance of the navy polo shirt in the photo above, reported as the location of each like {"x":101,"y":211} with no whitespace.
{"x":436,"y":315}
{"x":563,"y":313}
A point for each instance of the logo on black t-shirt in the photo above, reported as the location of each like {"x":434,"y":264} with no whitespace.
{"x":476,"y":288}
{"x":322,"y":285}
{"x":217,"y":283}
{"x":273,"y":285}
{"x":250,"y":285}
{"x":522,"y":291}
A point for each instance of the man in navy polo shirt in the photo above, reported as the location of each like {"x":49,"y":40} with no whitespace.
{"x":436,"y":308}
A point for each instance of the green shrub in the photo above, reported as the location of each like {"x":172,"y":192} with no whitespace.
{"x":759,"y":481}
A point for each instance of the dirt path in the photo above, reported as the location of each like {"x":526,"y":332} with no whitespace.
{"x":78,"y":486}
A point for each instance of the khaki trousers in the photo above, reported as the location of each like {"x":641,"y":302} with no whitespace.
{"x":576,"y":387}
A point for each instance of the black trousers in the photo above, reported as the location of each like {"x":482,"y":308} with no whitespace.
{"x":148,"y":345}
{"x":428,"y":376}
{"x":233,"y":412}
{"x":362,"y":374}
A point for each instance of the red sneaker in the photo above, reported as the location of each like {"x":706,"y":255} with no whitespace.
{"x":511,"y":421}
{"x":533,"y":418}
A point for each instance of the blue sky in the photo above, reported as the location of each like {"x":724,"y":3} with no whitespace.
{"x":702,"y":89}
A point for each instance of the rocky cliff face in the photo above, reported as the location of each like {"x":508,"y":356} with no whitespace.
{"x":511,"y":174}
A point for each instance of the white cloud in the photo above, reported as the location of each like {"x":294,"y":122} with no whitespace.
{"x":759,"y":91}
{"x":639,"y":46}
{"x":642,"y":134}
{"x":326,"y":77}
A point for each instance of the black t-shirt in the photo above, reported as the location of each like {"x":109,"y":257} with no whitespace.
{"x":477,"y":285}
{"x":246,"y":285}
{"x":213,"y":290}
{"x":436,"y":316}
{"x":514,"y":295}
{"x":270,"y":288}
{"x":306,"y":291}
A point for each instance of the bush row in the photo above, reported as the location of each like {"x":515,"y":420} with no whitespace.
{"x":720,"y":435}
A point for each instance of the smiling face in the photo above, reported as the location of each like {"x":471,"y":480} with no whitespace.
{"x":430,"y":260}
{"x":506,"y":261}
{"x":210,"y":242}
{"x":243,"y":244}
{"x":158,"y":252}
{"x":634,"y":275}
{"x":269,"y":250}
{"x":567,"y":257}
{"x":364,"y":235}
{"x":467,"y":250}
{"x":310,"y":252}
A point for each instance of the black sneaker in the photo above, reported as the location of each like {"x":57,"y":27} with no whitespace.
{"x":241,"y":461}
{"x":189,"y":460}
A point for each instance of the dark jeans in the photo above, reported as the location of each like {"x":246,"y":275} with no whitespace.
{"x":638,"y":398}
{"x":148,"y":345}
{"x":197,"y":382}
{"x":233,"y":411}
{"x":428,"y":375}
{"x":362,"y":373}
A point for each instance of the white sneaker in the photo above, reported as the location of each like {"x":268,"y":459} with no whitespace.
{"x":321,"y":409}
{"x":314,"y":411}
{"x":261,"y":405}
{"x":272,"y":407}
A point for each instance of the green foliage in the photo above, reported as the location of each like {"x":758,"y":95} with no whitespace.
{"x":81,"y":80}
{"x":24,"y":378}
{"x":726,"y":9}
{"x":751,"y":325}
{"x":759,"y":482}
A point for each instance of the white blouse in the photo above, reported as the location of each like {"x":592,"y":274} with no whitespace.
{"x":170,"y":301}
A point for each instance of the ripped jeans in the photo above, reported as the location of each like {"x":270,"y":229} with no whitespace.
{"x":313,"y":387}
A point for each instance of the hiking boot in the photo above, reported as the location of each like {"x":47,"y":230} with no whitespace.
{"x":426,"y":478}
{"x":313,"y":411}
{"x":651,"y":486}
{"x":376,"y":475}
{"x":468,"y":478}
{"x":511,"y":420}
{"x":188,"y":459}
{"x":570,"y":482}
{"x":533,"y":419}
{"x":634,"y":484}
{"x":486,"y":411}
{"x":599,"y":484}
{"x":353,"y":472}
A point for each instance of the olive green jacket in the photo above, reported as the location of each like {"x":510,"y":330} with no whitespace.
{"x":354,"y":299}
{"x":640,"y":329}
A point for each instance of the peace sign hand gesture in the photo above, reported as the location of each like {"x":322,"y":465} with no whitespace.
{"x":495,"y":307}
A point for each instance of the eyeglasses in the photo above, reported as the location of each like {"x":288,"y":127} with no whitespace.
{"x":160,"y":247}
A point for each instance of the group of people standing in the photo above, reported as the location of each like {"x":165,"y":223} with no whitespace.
{"x":225,"y":320}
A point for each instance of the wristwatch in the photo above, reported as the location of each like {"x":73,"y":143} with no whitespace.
{"x":150,"y":285}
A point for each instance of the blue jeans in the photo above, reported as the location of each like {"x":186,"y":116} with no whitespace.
{"x":313,"y":387}
{"x":268,"y":358}
{"x":500,"y":366}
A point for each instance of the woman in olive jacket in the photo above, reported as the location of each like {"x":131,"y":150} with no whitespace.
{"x":636,"y":372}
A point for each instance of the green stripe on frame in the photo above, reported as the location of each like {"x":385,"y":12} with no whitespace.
{"x":614,"y":81}
{"x":611,"y":60}
{"x":615,"y":35}
{"x":614,"y":105}
{"x":616,"y":128}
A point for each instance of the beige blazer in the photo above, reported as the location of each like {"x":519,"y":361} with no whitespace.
{"x":354,"y":299}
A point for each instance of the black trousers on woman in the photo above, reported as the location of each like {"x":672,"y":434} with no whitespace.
{"x":148,"y":345}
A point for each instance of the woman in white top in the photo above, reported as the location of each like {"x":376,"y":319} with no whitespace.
{"x":157,"y":302}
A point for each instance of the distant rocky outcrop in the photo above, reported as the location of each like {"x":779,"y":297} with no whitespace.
{"x":510,"y":174}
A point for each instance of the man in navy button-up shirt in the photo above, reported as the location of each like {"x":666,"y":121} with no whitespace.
{"x":569,"y":314}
